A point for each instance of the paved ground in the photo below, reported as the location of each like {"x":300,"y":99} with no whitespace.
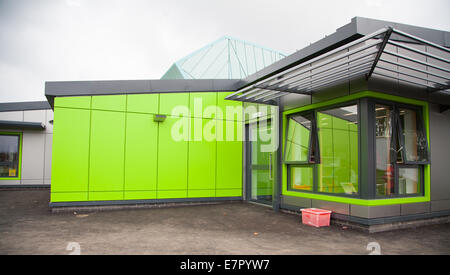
{"x":28,"y":227}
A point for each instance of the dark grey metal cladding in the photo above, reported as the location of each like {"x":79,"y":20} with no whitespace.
{"x":110,"y":87}
{"x":21,"y":125}
{"x":440,"y":153}
{"x":115,"y":87}
{"x":24,"y":106}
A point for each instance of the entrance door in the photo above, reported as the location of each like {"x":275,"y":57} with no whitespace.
{"x":260,"y":169}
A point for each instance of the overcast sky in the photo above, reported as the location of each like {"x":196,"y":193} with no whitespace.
{"x":60,"y":40}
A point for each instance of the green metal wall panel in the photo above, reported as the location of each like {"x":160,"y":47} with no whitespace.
{"x":203,"y":105}
{"x":110,"y":102}
{"x":83,"y":102}
{"x":229,"y":163}
{"x":70,"y":157}
{"x":202,"y":157}
{"x":235,"y":108}
{"x":167,"y":102}
{"x":172,"y":157}
{"x":68,"y":197}
{"x":139,"y":195}
{"x":117,"y":152}
{"x":106,"y":170}
{"x":141,"y":152}
{"x":143,"y":103}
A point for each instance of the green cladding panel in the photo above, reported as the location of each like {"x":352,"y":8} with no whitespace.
{"x":168,"y":103}
{"x":106,"y":168}
{"x":229,"y":109}
{"x":143,"y":103}
{"x":83,"y":102}
{"x":229,"y":162}
{"x":109,"y":102}
{"x":173,"y":157}
{"x":113,"y":149}
{"x":202,"y":156}
{"x":203,"y":105}
{"x":141,"y":153}
{"x":70,"y":151}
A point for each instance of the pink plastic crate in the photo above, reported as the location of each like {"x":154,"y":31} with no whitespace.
{"x":316,"y":217}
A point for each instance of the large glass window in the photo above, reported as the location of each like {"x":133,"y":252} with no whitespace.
{"x":400,"y":148}
{"x":338,"y":144}
{"x":9,"y":156}
{"x":325,"y":144}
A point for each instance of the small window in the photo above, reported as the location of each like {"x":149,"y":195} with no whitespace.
{"x":301,"y":178}
{"x":415,"y":145}
{"x":301,"y":145}
{"x":409,"y":180}
{"x":9,"y":156}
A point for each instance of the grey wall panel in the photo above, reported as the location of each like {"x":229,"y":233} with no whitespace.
{"x":360,"y":211}
{"x":371,"y":212}
{"x":48,"y":156}
{"x":13,"y":116}
{"x":48,"y":118}
{"x":415,"y":208}
{"x":32,"y":182}
{"x":440,"y":153}
{"x":292,"y":101}
{"x":34,"y":116}
{"x":9,"y":182}
{"x":440,"y":205}
{"x":296,"y":201}
{"x":340,"y":208}
{"x":33,"y":155}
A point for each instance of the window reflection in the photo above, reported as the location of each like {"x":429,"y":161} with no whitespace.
{"x":384,"y":147}
{"x":338,"y":143}
{"x":414,"y":139}
{"x":298,"y":138}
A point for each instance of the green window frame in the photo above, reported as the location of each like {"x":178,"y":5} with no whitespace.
{"x":308,"y":168}
{"x":18,"y":161}
{"x":398,"y":160}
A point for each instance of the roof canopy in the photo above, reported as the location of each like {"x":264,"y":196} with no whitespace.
{"x":387,"y":53}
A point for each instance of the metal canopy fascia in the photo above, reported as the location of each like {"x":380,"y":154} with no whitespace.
{"x":21,"y":125}
{"x":421,"y":63}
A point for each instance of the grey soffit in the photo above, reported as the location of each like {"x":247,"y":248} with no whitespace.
{"x":411,"y":60}
{"x":20,"y":125}
{"x":24,"y":106}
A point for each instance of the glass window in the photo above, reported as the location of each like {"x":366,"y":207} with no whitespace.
{"x":301,"y":178}
{"x":9,"y":156}
{"x":298,"y":139}
{"x":409,"y":180}
{"x":338,"y":144}
{"x":384,"y":147}
{"x":414,"y":139}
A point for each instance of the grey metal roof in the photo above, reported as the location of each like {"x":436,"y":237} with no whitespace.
{"x":24,"y":106}
{"x":387,"y":53}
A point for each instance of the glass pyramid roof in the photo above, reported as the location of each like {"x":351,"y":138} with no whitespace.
{"x":226,"y":58}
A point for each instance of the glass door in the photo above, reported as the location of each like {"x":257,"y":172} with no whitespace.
{"x":260,"y":170}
